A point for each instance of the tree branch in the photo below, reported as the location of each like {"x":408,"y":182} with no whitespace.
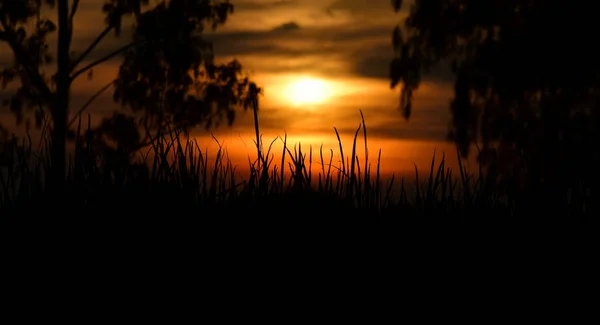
{"x":71,"y":17}
{"x":104,"y":59}
{"x":73,"y":11}
{"x":89,"y":102}
{"x":91,"y":47}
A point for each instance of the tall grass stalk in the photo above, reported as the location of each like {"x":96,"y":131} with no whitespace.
{"x":175,"y":171}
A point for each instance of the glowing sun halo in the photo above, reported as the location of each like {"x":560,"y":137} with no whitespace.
{"x":307,"y":91}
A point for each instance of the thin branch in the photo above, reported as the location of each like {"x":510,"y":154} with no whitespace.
{"x":71,"y":17}
{"x":103,"y":59}
{"x":73,"y":11}
{"x":89,"y":102}
{"x":91,"y":47}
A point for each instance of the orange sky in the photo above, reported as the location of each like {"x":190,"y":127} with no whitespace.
{"x":344,"y":45}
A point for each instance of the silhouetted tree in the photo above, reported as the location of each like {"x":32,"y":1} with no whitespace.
{"x":526,"y":87}
{"x":168,"y":77}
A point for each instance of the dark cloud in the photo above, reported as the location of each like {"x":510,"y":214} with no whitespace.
{"x":357,"y":6}
{"x":374,"y":62}
{"x":292,"y":25}
{"x":365,"y":7}
{"x":367,"y":49}
{"x":261,"y":5}
{"x":324,"y":40}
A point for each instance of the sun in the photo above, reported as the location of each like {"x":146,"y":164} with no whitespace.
{"x":307,"y":91}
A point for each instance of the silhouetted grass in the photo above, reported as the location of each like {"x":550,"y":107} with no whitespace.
{"x":176,"y":176}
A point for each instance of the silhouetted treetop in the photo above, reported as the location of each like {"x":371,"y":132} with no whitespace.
{"x":526,"y":71}
{"x":548,"y":44}
{"x":171,"y":68}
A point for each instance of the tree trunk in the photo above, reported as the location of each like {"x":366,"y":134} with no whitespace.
{"x":60,"y":106}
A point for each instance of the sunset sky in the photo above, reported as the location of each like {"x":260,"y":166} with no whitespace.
{"x":319,"y":62}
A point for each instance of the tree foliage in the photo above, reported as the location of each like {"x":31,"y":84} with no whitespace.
{"x":168,"y":75}
{"x":526,"y":71}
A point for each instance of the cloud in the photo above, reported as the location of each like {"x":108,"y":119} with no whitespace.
{"x":361,"y":6}
{"x":382,"y":9}
{"x":321,"y":40}
{"x":261,"y":4}
{"x":287,"y":26}
{"x":363,"y":51}
{"x":374,"y":62}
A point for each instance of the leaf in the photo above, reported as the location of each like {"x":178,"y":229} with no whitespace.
{"x":406,"y":102}
{"x":19,"y":117}
{"x":39,"y":117}
{"x":397,"y":38}
{"x":397,"y":5}
{"x":454,"y":66}
{"x":49,"y":25}
{"x":407,"y":110}
{"x":395,"y":72}
{"x":230,"y":117}
{"x":16,"y":104}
